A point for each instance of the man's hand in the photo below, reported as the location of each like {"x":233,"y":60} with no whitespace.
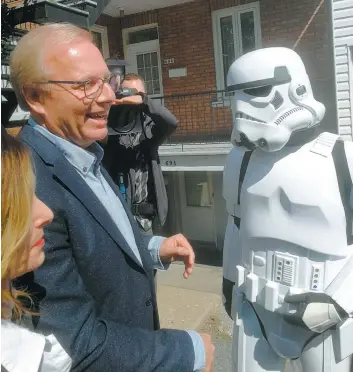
{"x":209,"y":351}
{"x":130,"y":100}
{"x":177,"y":248}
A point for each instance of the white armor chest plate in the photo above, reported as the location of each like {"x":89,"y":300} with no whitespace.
{"x":293,"y":197}
{"x":293,"y":227}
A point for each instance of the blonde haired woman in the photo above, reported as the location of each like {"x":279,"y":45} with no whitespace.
{"x":23,"y":216}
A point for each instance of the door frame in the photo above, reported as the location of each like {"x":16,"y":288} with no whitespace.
{"x":182,"y":198}
{"x":102,"y":30}
{"x":125,"y":33}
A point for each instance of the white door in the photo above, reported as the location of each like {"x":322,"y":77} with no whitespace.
{"x":197,"y":212}
{"x":144,"y":59}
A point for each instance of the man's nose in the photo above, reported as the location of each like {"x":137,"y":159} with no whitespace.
{"x":107,"y":95}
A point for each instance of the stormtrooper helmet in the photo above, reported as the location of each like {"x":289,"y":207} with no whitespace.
{"x":271,"y":98}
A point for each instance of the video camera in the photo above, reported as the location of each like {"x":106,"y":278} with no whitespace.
{"x":125,"y":92}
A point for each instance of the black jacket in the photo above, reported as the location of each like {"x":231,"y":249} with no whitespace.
{"x":99,"y":301}
{"x":159,"y":123}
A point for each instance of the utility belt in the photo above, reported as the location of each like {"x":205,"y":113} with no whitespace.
{"x":270,"y":295}
{"x":263,"y":292}
{"x":143,"y":209}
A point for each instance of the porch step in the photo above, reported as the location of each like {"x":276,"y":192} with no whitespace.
{"x":94,"y":8}
{"x":86,"y":5}
{"x":77,"y":3}
{"x":46,"y":10}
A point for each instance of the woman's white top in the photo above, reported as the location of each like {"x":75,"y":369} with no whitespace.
{"x":25,"y":351}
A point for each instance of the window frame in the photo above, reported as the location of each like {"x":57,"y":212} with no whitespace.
{"x":235,"y":12}
{"x":127,"y":31}
{"x":102,"y":30}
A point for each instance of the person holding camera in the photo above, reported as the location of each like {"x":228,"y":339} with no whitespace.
{"x":137,"y":126}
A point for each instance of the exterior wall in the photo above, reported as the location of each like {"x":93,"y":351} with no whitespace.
{"x":219,"y":209}
{"x":342,"y":16}
{"x":283,"y":25}
{"x":185,"y":34}
{"x":180,"y":216}
{"x":173,"y":222}
{"x":115,"y":39}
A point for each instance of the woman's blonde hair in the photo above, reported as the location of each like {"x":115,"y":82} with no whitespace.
{"x":17,"y":192}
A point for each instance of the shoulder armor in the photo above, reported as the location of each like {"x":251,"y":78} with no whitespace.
{"x":324,"y":144}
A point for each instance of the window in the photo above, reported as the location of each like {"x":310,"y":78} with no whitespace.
{"x":147,"y":68}
{"x":236,"y":31}
{"x":141,"y":36}
{"x":197,"y":189}
{"x":100,"y":38}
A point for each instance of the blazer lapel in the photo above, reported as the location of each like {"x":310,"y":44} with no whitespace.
{"x":135,"y":228}
{"x":66,"y":173}
{"x":145,"y":256}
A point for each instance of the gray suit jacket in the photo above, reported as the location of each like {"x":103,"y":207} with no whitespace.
{"x":91,"y":292}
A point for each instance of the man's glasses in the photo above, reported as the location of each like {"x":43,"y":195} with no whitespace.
{"x":93,"y":87}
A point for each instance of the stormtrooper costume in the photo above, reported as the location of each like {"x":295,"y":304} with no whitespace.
{"x":288,"y":251}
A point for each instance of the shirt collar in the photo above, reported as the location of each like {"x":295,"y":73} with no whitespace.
{"x":84,"y":160}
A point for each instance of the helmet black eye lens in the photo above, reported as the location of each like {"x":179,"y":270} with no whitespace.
{"x":259,"y":91}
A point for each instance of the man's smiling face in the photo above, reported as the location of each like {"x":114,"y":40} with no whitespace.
{"x":66,"y":111}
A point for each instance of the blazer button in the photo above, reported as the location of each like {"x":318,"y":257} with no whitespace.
{"x":148,"y":302}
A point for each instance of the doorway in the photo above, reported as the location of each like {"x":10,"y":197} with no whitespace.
{"x":197,"y":207}
{"x":142,"y":55}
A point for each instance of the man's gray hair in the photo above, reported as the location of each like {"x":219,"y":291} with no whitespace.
{"x":27,"y":61}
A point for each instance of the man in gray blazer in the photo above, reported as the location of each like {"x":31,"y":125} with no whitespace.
{"x":95,"y":292}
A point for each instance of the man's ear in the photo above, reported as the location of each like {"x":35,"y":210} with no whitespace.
{"x":34,"y":99}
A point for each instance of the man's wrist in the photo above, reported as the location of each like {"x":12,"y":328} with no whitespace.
{"x":154,"y":246}
{"x":199,"y":351}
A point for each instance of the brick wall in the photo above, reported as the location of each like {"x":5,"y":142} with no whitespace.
{"x":115,"y":39}
{"x":282,"y":24}
{"x":185,"y":34}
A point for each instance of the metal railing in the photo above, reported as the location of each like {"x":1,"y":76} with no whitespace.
{"x":203,"y":116}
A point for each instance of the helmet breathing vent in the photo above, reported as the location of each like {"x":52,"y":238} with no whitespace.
{"x":277,"y":101}
{"x":288,"y":113}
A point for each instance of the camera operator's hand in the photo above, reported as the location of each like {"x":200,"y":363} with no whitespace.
{"x":130,"y":100}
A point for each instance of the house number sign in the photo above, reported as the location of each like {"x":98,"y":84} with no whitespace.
{"x":169,"y":61}
{"x":170,"y":163}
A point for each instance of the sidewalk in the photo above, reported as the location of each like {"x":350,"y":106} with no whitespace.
{"x":196,"y":303}
{"x":187,"y":303}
